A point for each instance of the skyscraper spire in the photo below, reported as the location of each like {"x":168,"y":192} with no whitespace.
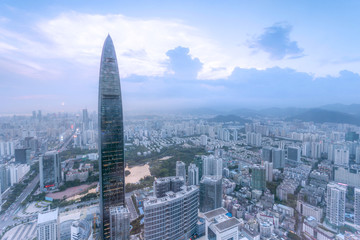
{"x":111,"y":137}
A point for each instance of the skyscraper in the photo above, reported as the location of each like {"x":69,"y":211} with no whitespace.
{"x":193,"y":175}
{"x":357,"y":206}
{"x":212,"y":166}
{"x":50,"y":171}
{"x":266,"y":153}
{"x":278,"y":158}
{"x":173,"y":216}
{"x":48,"y":225}
{"x":111,"y":137}
{"x":180,"y":169}
{"x":210,"y":193}
{"x":85,"y":119}
{"x":268,"y":171}
{"x":258,"y":177}
{"x":335,"y":203}
{"x":120,"y":223}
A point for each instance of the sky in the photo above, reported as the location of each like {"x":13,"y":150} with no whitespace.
{"x":179,"y":54}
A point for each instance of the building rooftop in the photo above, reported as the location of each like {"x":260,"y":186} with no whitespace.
{"x":214,"y":213}
{"x":185,"y":190}
{"x":48,"y":216}
{"x":225,"y":225}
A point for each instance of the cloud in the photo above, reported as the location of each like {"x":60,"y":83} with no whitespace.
{"x":276,"y":41}
{"x":182,"y":64}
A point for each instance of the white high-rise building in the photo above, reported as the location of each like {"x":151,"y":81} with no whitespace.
{"x":357,"y":206}
{"x":203,"y":140}
{"x":180,"y":169}
{"x":119,"y":223}
{"x":357,"y":155}
{"x":268,"y":171}
{"x":212,"y":166}
{"x":193,"y":175}
{"x":335,"y":203}
{"x":341,"y":157}
{"x":48,"y":225}
{"x":253,"y":139}
{"x":173,"y":216}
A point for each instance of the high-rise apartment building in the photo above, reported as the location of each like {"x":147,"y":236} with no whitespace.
{"x":172,"y":217}
{"x":268,"y":171}
{"x":335,"y":203}
{"x":50,"y":171}
{"x":341,"y":157}
{"x":48,"y":225}
{"x":212,"y":166}
{"x":193,"y":175}
{"x":119,"y":223}
{"x":258,"y":177}
{"x":210,"y":193}
{"x":357,"y":206}
{"x":180,"y":169}
{"x":111,"y":137}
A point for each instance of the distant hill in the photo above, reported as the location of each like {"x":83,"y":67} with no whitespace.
{"x":229,"y":118}
{"x":338,"y":107}
{"x":321,"y":116}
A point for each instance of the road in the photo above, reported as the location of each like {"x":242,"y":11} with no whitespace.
{"x":7,"y":217}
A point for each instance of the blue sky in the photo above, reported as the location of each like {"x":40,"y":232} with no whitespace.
{"x":180,"y":54}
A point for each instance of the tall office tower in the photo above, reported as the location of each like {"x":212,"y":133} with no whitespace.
{"x":210,"y":193}
{"x":335,"y":203}
{"x":212,"y":166}
{"x":119,"y":223}
{"x":357,"y":206}
{"x":111,"y":137}
{"x":341,"y":157}
{"x":258,"y":177}
{"x":34,"y":114}
{"x":180,"y":169}
{"x":268,"y":171}
{"x":22,"y":155}
{"x":85,"y":119}
{"x":166,"y":184}
{"x":193,"y":175}
{"x":50,"y":171}
{"x":39,"y":115}
{"x":4,"y":177}
{"x":48,"y":225}
{"x":294,"y":154}
{"x":278,"y":158}
{"x":266,"y":153}
{"x":173,"y":216}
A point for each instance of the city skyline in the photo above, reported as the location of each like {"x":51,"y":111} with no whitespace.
{"x":235,"y":54}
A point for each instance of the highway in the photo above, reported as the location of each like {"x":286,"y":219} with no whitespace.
{"x":7,"y":217}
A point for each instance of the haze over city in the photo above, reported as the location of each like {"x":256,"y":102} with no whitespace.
{"x":179,"y":120}
{"x":174,"y":55}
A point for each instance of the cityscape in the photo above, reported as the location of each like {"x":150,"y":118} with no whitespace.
{"x":152,"y":156}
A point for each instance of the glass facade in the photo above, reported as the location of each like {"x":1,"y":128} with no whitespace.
{"x":50,"y":171}
{"x":111,"y":137}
